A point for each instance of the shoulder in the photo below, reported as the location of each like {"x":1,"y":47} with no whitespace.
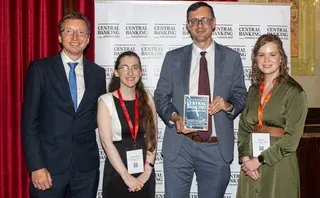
{"x":46,"y":61}
{"x":106,"y":97}
{"x":95,"y":67}
{"x":180,"y":50}
{"x":226,"y":49}
{"x":44,"y":65}
{"x":292,"y":88}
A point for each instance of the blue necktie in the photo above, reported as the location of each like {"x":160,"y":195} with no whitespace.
{"x":73,"y":83}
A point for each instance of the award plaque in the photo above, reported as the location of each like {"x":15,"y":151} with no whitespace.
{"x":195,"y":115}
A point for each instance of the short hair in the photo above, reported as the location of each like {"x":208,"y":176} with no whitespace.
{"x":75,"y":15}
{"x":256,"y":75}
{"x":197,"y":5}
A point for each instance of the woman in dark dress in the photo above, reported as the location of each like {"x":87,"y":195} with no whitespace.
{"x":128,"y":132}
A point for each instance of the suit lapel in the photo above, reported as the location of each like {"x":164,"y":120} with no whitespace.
{"x":185,"y":67}
{"x":62,"y":79}
{"x":87,"y":73}
{"x":219,"y":58}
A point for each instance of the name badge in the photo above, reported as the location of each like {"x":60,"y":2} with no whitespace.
{"x":260,"y":142}
{"x":135,"y":161}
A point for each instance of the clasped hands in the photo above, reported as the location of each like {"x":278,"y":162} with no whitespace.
{"x":250,"y":167}
{"x":136,"y":184}
{"x":218,"y":104}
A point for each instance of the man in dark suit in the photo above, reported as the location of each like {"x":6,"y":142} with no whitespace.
{"x":59,"y":117}
{"x":202,"y":68}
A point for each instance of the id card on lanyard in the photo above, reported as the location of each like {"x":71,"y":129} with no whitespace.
{"x":135,"y":156}
{"x":261,"y":141}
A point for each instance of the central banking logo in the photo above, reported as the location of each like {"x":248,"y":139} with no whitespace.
{"x":109,"y":71}
{"x":227,"y":195}
{"x":119,"y":48}
{"x":99,"y":194}
{"x":136,"y":30}
{"x":151,"y":51}
{"x":164,"y":31}
{"x":159,"y":158}
{"x":234,"y":178}
{"x":159,"y":177}
{"x":156,"y":71}
{"x":279,"y":30}
{"x":224,"y":31}
{"x":249,"y":31}
{"x":159,"y":195}
{"x":235,"y":134}
{"x":185,"y":32}
{"x":144,"y":69}
{"x":247,"y":72}
{"x":108,"y":30}
{"x":102,"y":155}
{"x":241,"y":49}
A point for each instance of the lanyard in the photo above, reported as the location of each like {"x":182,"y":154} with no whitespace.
{"x":133,"y":131}
{"x":265,"y":101}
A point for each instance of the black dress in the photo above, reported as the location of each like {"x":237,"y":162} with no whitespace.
{"x":113,"y":185}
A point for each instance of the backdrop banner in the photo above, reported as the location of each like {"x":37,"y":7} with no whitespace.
{"x":151,"y":28}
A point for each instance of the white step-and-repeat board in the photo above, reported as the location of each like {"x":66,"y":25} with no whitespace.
{"x":151,"y":28}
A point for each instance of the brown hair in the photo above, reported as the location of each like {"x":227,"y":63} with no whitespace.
{"x":256,"y":75}
{"x":146,"y":120}
{"x":75,"y":15}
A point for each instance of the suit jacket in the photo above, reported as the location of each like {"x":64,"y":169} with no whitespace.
{"x":174,"y":83}
{"x":52,"y":132}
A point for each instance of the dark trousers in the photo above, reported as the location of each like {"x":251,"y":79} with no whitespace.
{"x":202,"y":159}
{"x":71,"y":184}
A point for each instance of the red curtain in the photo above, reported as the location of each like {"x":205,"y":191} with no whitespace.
{"x":29,"y":30}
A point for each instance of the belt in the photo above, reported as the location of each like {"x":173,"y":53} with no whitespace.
{"x":195,"y":137}
{"x":273,"y":131}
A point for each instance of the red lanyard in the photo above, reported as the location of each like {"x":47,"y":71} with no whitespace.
{"x":133,"y":131}
{"x":265,"y":101}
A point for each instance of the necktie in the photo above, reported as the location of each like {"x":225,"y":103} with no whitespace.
{"x":204,"y":89}
{"x":73,"y":83}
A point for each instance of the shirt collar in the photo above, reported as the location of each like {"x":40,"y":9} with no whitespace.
{"x":196,"y":50}
{"x":66,"y":59}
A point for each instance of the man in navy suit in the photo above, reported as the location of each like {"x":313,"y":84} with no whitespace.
{"x":59,"y":117}
{"x":202,"y":68}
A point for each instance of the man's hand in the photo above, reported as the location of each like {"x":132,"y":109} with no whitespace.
{"x":219,"y":104}
{"x":178,"y":120}
{"x":41,"y":179}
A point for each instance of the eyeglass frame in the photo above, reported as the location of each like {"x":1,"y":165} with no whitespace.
{"x":126,"y":68}
{"x":197,"y":21}
{"x":78,"y":32}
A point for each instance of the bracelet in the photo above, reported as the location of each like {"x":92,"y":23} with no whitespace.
{"x":150,"y":164}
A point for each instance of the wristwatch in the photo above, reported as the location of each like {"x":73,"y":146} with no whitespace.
{"x":150,"y":164}
{"x":261,"y":159}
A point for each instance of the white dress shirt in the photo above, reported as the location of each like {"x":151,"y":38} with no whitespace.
{"x":79,"y":74}
{"x":194,"y":73}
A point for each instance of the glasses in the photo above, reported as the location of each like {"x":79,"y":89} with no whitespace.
{"x":69,"y":31}
{"x":126,"y":68}
{"x":205,"y":21}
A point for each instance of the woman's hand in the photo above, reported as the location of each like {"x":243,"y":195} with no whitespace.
{"x":143,"y":177}
{"x":255,"y":175}
{"x":250,"y":165}
{"x":133,"y":183}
